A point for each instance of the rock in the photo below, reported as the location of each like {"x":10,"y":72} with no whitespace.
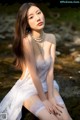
{"x":58,"y":53}
{"x":70,"y":92}
{"x":50,"y":27}
{"x":74,"y":54}
{"x":72,"y":49}
{"x":9,"y":35}
{"x":7,"y":26}
{"x":76,"y":40}
{"x":68,"y":86}
{"x":77,"y":59}
{"x":68,"y":44}
{"x":78,"y":71}
{"x":68,"y":37}
{"x":58,"y":37}
{"x":70,"y":77}
{"x":10,"y":46}
{"x":2,"y":37}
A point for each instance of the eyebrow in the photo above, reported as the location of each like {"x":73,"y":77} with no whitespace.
{"x":32,"y":14}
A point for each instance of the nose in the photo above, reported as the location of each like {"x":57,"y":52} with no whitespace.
{"x":37,"y":18}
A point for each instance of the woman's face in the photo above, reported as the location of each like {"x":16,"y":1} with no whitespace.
{"x":35,"y":18}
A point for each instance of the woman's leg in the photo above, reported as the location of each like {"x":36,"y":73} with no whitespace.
{"x":36,"y":106}
{"x":65,"y":115}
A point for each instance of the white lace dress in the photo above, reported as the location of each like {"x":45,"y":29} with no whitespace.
{"x":12,"y":103}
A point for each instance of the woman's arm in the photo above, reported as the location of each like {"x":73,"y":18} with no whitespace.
{"x":57,"y":108}
{"x":50,"y":75}
{"x":29,"y":56}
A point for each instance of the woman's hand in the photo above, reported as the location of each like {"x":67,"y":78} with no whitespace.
{"x":57,"y":108}
{"x":48,"y":106}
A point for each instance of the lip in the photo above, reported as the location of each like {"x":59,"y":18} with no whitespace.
{"x":40,"y":23}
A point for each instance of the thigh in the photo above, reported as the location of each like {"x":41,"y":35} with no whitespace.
{"x":33,"y":104}
{"x":36,"y":106}
{"x":45,"y":115}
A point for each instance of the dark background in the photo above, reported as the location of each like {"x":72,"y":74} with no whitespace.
{"x":52,"y":3}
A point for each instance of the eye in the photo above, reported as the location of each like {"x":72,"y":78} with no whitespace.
{"x":39,"y":12}
{"x":31,"y":17}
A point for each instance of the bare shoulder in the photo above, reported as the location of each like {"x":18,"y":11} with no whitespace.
{"x":27,"y":40}
{"x":51,"y":38}
{"x":27,"y":46}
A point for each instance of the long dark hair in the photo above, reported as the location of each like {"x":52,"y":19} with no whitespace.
{"x":22,"y":28}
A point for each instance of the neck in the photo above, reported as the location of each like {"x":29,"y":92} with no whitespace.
{"x":37,"y":34}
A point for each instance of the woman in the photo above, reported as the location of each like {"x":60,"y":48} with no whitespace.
{"x":36,"y":89}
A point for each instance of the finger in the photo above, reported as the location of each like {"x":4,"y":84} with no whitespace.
{"x":47,"y":108}
{"x":51,"y":110}
{"x":59,"y":117}
{"x":60,"y":105}
{"x":57,"y":111}
{"x":54,"y":110}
